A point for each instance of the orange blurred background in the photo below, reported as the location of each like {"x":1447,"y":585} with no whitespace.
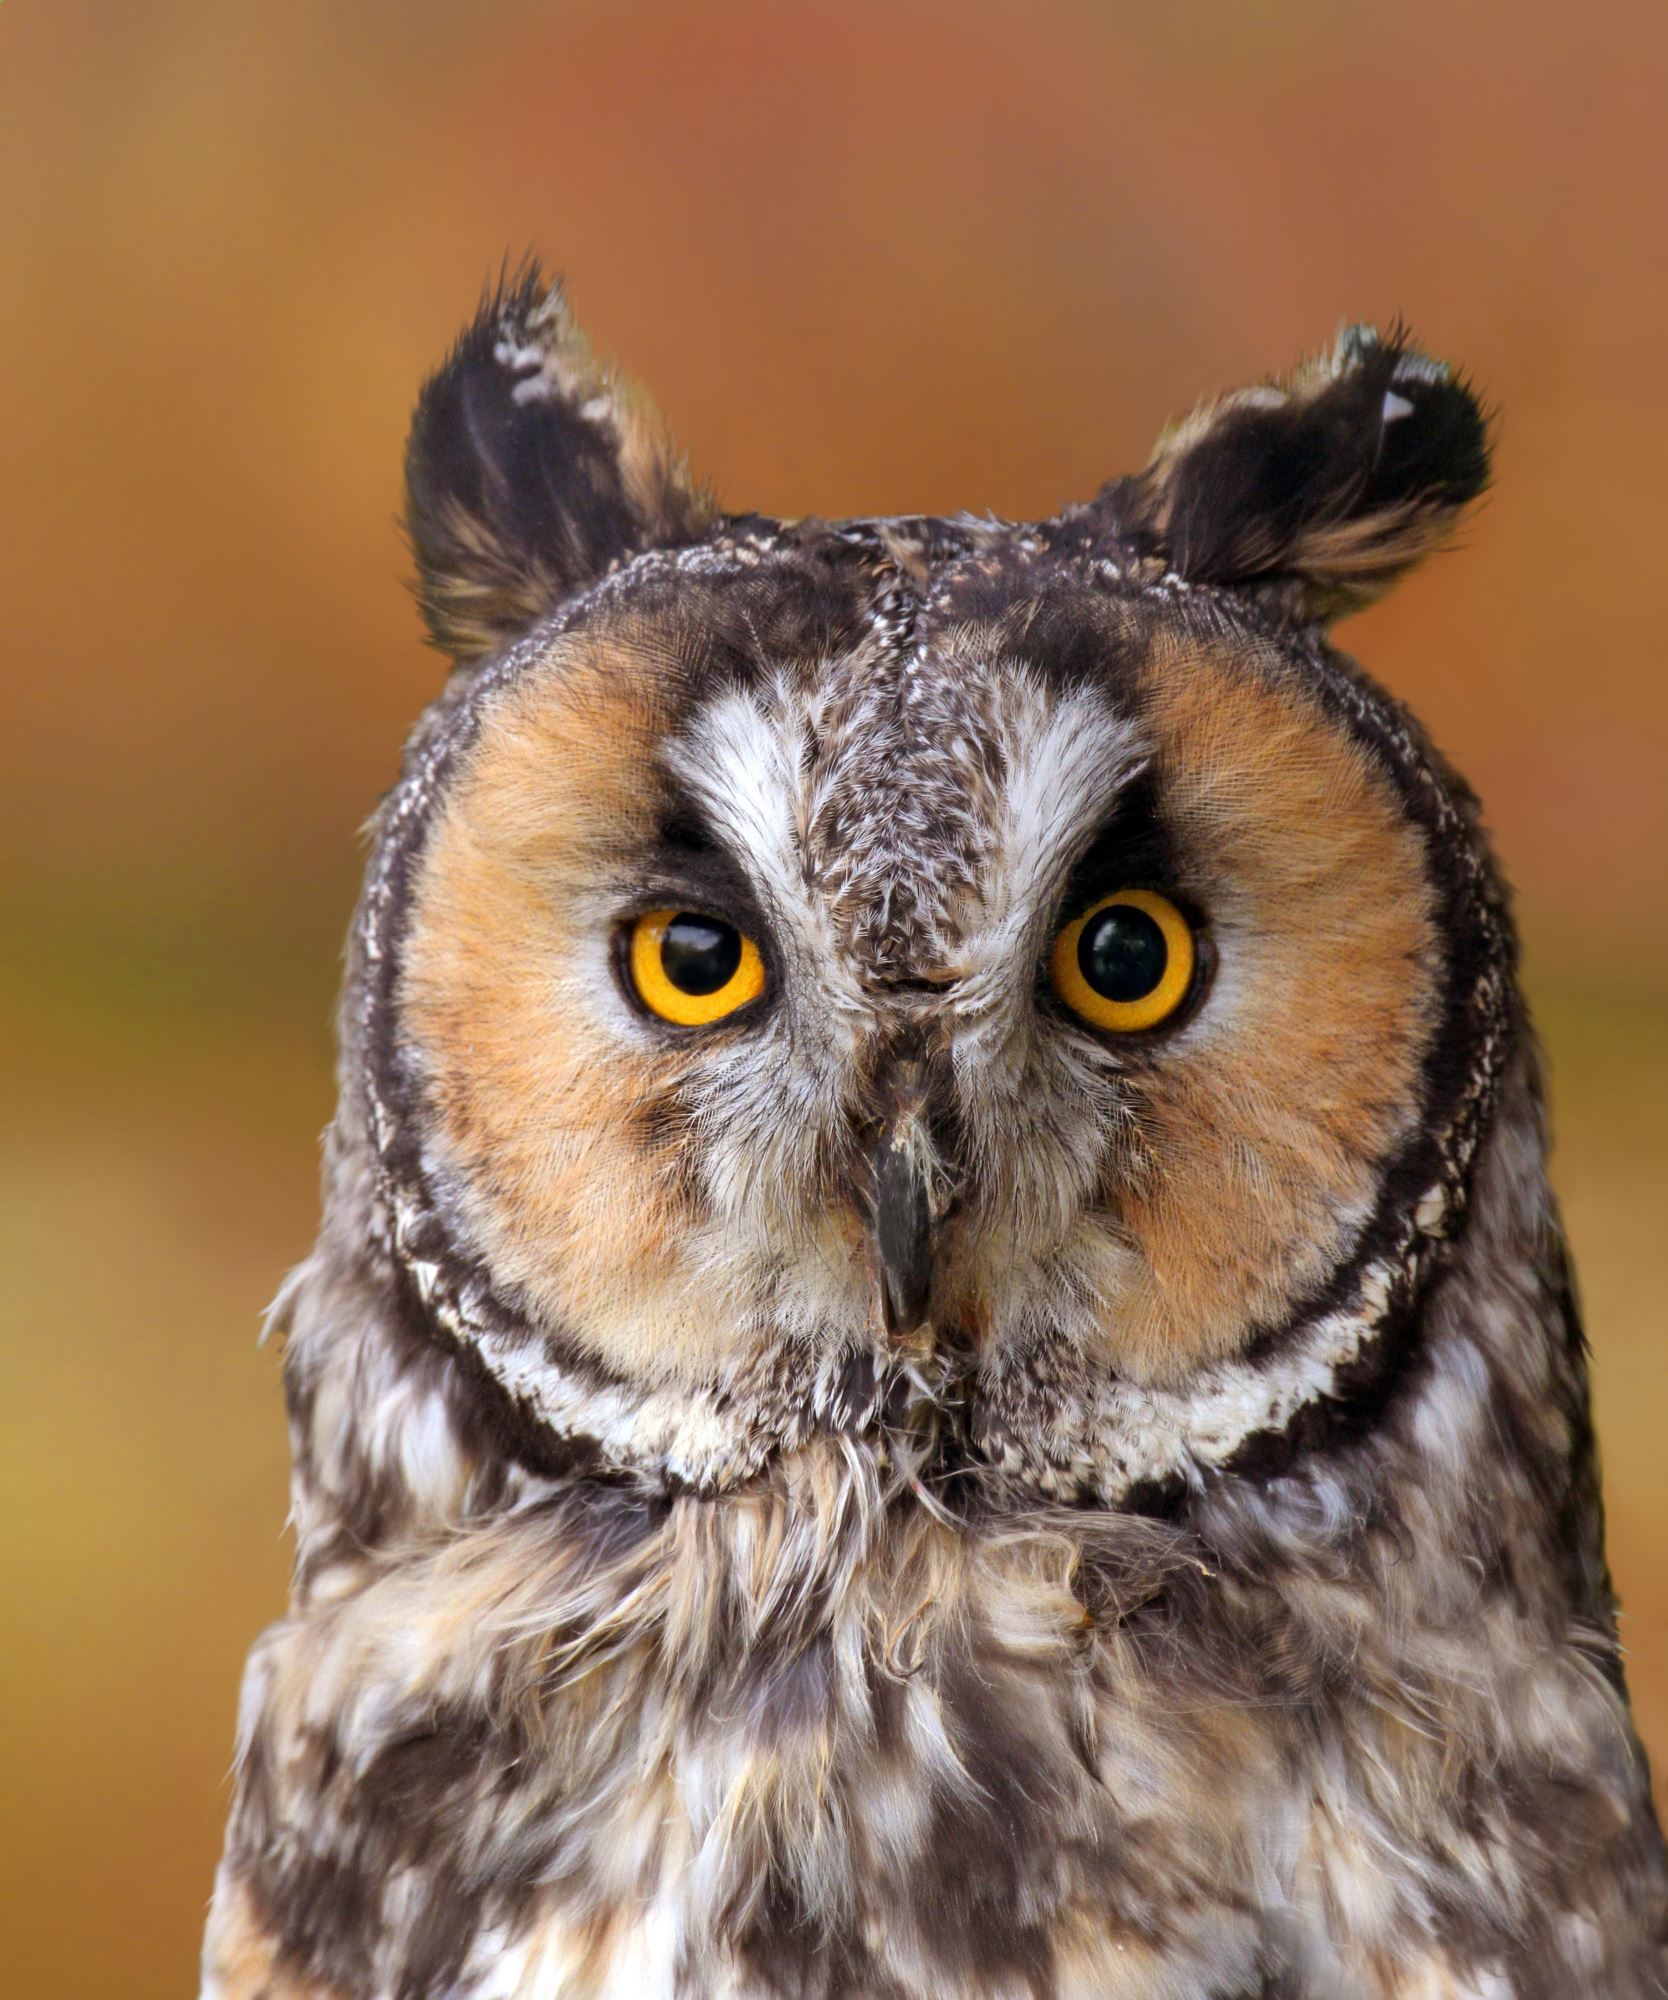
{"x":869,"y":258}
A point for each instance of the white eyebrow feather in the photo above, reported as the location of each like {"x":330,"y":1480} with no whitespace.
{"x":739,"y":760}
{"x":1069,"y":758}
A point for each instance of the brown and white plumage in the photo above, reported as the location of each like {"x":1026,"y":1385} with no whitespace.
{"x":903,"y":1492}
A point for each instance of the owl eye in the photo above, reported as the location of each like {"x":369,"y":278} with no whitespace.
{"x":1127,"y":963}
{"x":692,"y":969}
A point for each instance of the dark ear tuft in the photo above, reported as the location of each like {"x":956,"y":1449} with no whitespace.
{"x":529,"y":470}
{"x":1335,"y":480}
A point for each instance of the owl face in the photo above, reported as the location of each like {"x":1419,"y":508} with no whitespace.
{"x":815,"y":976}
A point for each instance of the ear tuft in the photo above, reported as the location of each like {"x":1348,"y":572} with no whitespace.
{"x":1334,"y":480}
{"x":530,"y":470}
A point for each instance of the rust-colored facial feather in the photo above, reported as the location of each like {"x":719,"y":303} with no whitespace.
{"x":1261,"y":1133}
{"x":556,"y":1113}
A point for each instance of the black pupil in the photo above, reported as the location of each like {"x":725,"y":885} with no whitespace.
{"x":1122,"y":953}
{"x":700,"y":954}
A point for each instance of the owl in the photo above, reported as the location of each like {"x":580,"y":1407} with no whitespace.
{"x":939,"y":1365}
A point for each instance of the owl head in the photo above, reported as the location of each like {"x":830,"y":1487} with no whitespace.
{"x":1008,"y":996}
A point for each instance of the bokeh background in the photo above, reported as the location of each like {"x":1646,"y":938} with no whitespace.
{"x":871,"y":257}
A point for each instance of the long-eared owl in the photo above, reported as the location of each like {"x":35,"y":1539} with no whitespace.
{"x":939,"y":1364}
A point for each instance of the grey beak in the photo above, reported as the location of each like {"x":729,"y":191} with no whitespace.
{"x":903,"y":1224}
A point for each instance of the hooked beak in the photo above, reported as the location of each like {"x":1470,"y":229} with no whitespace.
{"x":904,"y":1219}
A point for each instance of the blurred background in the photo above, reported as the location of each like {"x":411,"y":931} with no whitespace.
{"x":869,"y":258}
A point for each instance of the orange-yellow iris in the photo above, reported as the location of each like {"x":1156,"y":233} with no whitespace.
{"x":693,"y":969}
{"x":1127,"y":963}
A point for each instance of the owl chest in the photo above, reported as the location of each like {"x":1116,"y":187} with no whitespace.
{"x":832,"y":1819}
{"x":951,"y":1780}
{"x":984,"y":1827}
